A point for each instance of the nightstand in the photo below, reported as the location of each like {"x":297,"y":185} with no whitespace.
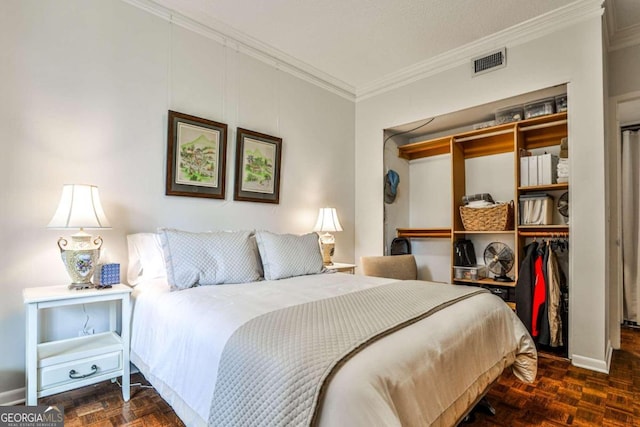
{"x":56,"y":366}
{"x":342,"y":267}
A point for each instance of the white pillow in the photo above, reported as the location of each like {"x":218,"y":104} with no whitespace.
{"x":145,"y":258}
{"x":289,"y":255}
{"x":211,"y":258}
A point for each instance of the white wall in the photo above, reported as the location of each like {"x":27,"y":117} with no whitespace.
{"x":623,"y":77}
{"x":430,"y":207}
{"x":86,"y":87}
{"x":623,"y":70}
{"x":396,"y":213}
{"x":572,"y":55}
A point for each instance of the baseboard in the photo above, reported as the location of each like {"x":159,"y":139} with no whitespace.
{"x":12,"y":397}
{"x":594,"y":364}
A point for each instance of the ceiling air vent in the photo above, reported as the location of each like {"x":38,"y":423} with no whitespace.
{"x":493,"y":61}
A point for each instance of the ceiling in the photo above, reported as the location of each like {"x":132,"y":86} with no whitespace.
{"x":356,"y":43}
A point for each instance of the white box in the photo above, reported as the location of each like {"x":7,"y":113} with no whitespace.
{"x":547,"y":169}
{"x":533,"y":170}
{"x":539,"y":159}
{"x":536,"y":211}
{"x":524,"y":171}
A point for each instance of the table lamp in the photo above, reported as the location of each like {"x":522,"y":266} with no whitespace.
{"x":80,"y":208}
{"x":327,"y":222}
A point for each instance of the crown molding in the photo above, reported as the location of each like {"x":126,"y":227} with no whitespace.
{"x":240,"y":42}
{"x":510,"y":37}
{"x":618,"y":39}
{"x":630,"y":36}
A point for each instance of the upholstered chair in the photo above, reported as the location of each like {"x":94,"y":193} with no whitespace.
{"x":401,"y":267}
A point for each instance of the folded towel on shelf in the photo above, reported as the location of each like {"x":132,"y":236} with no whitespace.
{"x":563,"y":170}
{"x":479,"y":204}
{"x":466,"y":199}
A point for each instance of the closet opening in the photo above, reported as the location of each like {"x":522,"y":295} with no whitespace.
{"x":630,"y":207}
{"x":444,"y":163}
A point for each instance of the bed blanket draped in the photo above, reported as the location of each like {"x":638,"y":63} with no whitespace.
{"x":275,"y":368}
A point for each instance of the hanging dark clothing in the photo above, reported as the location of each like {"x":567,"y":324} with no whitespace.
{"x":524,"y":286}
{"x":562,"y":256}
{"x":542,"y":293}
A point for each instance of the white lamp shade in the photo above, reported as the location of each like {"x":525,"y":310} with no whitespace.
{"x":79,"y":207}
{"x":328,"y":220}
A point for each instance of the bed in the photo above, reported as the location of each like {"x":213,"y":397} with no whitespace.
{"x":430,"y":372}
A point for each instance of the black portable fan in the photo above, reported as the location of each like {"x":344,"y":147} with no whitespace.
{"x":499,"y":259}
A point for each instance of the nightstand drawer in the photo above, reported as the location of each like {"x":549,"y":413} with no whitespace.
{"x":78,"y":370}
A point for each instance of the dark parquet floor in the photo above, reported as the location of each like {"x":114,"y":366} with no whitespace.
{"x":562,"y":395}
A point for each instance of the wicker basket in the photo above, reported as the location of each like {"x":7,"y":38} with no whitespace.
{"x":492,"y":218}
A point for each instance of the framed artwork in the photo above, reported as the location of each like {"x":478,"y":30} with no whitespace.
{"x":257,"y":167}
{"x":196,"y":153}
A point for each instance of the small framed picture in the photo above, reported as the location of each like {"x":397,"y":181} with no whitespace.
{"x":196,"y":153}
{"x":257,"y":167}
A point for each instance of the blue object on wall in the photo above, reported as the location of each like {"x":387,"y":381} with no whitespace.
{"x":391,"y":181}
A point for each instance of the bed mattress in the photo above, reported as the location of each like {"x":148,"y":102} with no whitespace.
{"x":428,"y":373}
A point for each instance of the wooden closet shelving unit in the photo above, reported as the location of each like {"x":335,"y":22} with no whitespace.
{"x":539,"y":132}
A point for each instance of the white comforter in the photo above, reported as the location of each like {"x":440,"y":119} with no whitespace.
{"x":426,"y":374}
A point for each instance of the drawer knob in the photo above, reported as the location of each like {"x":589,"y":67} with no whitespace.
{"x":74,"y":375}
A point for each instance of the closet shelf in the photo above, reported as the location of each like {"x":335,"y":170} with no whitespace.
{"x":484,"y":232}
{"x":486,"y":282}
{"x":429,"y":148}
{"x":543,"y":125}
{"x":543,"y":131}
{"x":482,"y":135}
{"x":549,"y":187}
{"x":424,"y":232}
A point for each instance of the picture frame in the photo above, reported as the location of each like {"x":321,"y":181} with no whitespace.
{"x":196,"y":156}
{"x":257,"y":175}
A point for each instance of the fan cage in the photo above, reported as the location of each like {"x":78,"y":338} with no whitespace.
{"x":499,"y":258}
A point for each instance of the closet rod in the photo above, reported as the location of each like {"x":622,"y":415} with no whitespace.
{"x":543,"y":234}
{"x":632,"y":128}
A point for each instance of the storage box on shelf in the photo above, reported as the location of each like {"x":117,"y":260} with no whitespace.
{"x":509,"y":114}
{"x":541,"y":107}
{"x":538,"y":170}
{"x":472,"y":272}
{"x":561,"y":103}
{"x":536,"y":209}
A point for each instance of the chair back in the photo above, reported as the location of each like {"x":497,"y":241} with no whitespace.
{"x":401,"y":267}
